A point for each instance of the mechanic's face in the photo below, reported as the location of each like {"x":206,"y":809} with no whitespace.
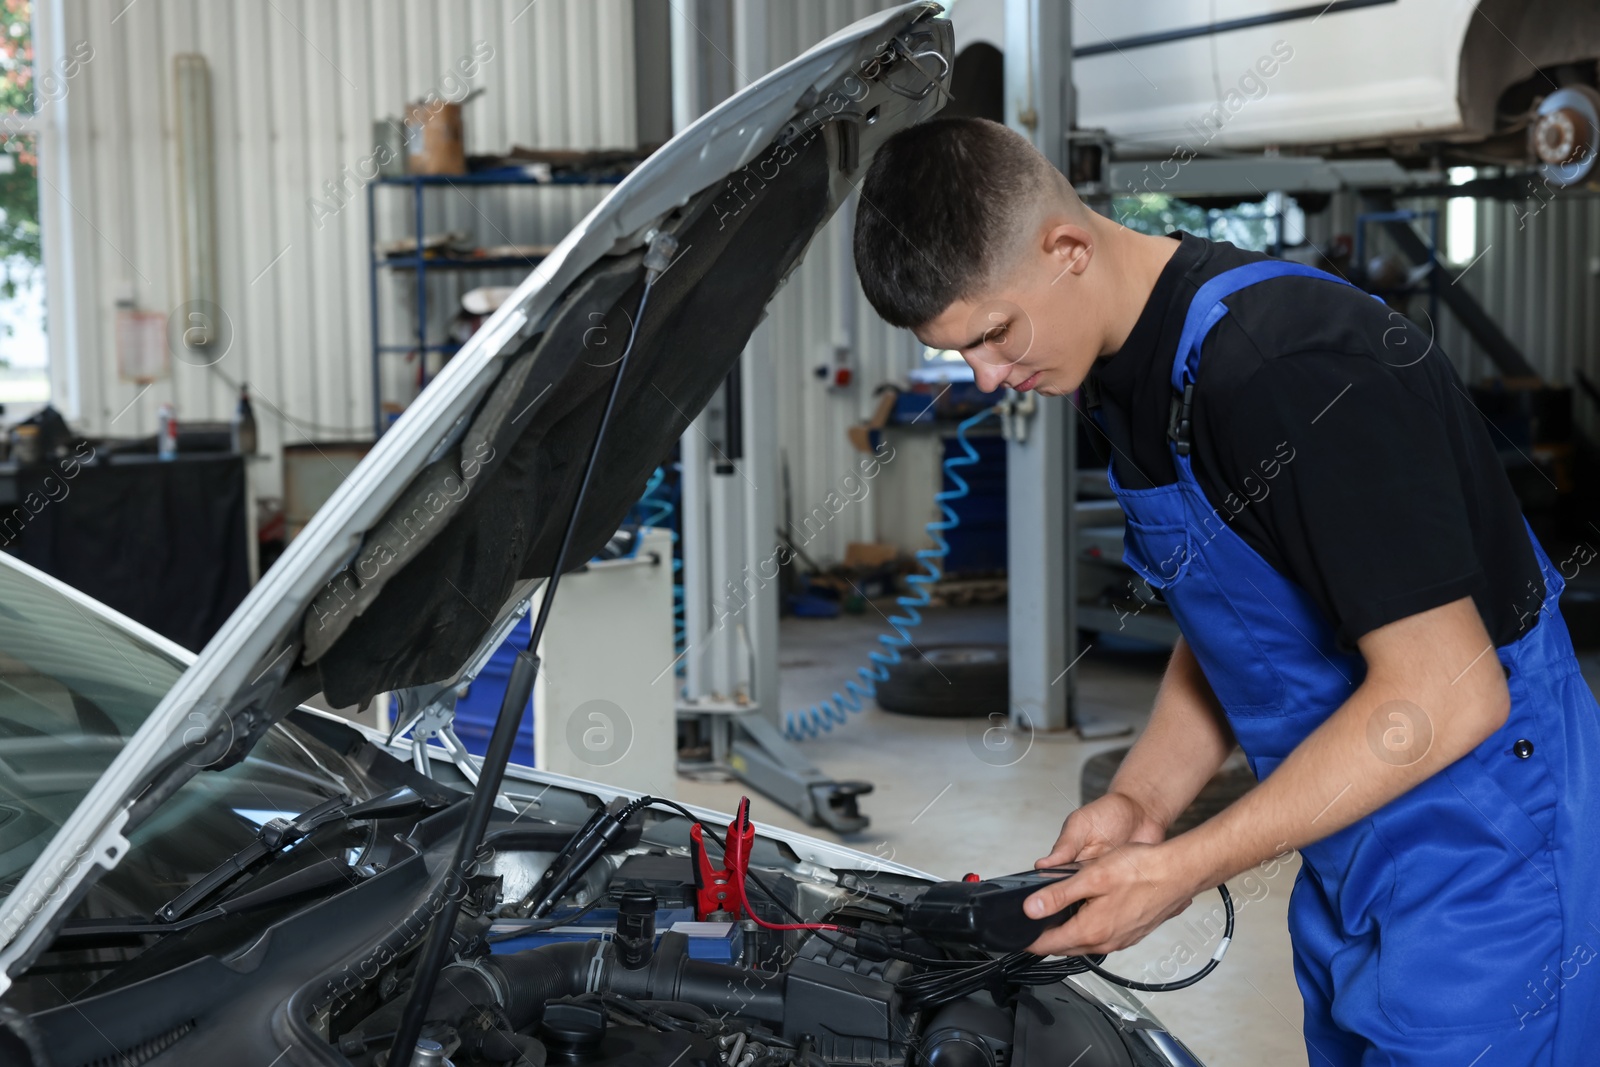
{"x":1037,"y":329}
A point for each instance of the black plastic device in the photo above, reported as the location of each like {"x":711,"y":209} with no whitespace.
{"x":988,"y":913}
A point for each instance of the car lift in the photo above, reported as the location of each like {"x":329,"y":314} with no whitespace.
{"x":719,"y":665}
{"x":728,"y":690}
{"x":729,"y":684}
{"x":743,"y":743}
{"x":728,"y":693}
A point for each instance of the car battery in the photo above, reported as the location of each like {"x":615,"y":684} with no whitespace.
{"x":718,"y":942}
{"x":598,"y":924}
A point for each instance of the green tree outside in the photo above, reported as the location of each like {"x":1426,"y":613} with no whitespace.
{"x":1250,"y":226}
{"x":20,"y":253}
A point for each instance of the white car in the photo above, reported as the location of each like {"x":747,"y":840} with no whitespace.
{"x":197,"y":869}
{"x":1462,"y":82}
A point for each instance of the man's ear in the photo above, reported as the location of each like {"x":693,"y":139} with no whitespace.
{"x":1068,"y":245}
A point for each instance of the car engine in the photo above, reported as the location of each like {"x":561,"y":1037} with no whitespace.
{"x":588,"y":934}
{"x":655,"y":953}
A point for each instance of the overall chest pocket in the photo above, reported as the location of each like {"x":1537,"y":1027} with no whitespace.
{"x":1158,"y":553}
{"x":1178,"y":565}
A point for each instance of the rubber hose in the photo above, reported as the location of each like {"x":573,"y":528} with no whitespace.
{"x":825,"y":715}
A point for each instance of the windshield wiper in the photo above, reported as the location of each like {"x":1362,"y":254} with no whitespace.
{"x":278,"y":834}
{"x":318,"y":876}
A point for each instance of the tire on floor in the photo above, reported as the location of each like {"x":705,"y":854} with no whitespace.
{"x":1232,"y":781}
{"x":948,"y":682}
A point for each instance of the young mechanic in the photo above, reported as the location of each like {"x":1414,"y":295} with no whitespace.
{"x":1364,"y":610}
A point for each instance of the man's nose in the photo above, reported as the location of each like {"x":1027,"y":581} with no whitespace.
{"x":988,"y":374}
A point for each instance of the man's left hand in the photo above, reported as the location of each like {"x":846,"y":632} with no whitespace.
{"x":1127,"y":893}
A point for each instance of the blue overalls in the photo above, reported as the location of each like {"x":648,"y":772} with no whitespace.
{"x":1459,"y":924}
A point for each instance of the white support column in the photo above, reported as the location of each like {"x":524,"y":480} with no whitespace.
{"x":729,"y":515}
{"x":1039,"y":457}
{"x":688,"y":45}
{"x":724,"y":659}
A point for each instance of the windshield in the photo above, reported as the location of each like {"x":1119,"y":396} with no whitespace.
{"x":73,"y":689}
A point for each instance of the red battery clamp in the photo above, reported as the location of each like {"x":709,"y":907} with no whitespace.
{"x":721,"y":889}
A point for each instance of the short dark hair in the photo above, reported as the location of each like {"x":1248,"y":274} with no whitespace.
{"x":938,"y":208}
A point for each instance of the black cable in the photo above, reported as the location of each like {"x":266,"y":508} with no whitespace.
{"x":1181,"y":983}
{"x":564,"y":868}
{"x":540,"y":926}
{"x":673,"y":804}
{"x":855,"y":932}
{"x":873,"y":894}
{"x":940,"y":986}
{"x":932,"y":988}
{"x":947,"y":980}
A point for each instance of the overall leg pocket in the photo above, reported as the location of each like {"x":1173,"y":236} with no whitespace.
{"x":1475,"y":922}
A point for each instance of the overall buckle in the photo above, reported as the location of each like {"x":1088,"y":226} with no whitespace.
{"x":1178,"y":419}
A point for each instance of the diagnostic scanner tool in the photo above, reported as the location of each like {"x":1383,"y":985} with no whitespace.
{"x":988,"y":913}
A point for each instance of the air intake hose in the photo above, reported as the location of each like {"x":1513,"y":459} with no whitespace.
{"x":521,"y":983}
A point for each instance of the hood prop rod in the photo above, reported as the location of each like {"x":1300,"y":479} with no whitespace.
{"x":519,"y":688}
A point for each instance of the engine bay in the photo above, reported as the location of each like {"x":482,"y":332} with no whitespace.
{"x":628,"y":932}
{"x":628,"y":948}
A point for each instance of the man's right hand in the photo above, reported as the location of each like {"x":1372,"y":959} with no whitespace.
{"x":1103,"y":825}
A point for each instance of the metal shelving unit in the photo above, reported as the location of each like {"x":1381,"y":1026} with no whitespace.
{"x":423,"y":264}
{"x":1429,"y":269}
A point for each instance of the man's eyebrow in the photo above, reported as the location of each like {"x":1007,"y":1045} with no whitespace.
{"x":975,"y":342}
{"x":983,"y":338}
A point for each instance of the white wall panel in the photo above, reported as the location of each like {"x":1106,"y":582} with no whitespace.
{"x":296,"y":86}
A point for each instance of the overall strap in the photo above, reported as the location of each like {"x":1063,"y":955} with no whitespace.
{"x":1206,"y":309}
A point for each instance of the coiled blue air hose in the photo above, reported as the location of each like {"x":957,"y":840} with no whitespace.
{"x":823,"y":716}
{"x":655,"y":508}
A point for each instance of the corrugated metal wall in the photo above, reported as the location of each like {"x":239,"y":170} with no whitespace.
{"x":808,"y":318}
{"x":296,"y":86}
{"x":1537,"y":276}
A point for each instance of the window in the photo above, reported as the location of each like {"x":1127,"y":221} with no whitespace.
{"x":24,"y":380}
{"x":1461,"y":221}
{"x":1262,"y":226}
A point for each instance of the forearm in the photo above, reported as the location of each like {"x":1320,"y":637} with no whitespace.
{"x":1185,"y":742}
{"x":1433,"y":692}
{"x":1400,"y":727}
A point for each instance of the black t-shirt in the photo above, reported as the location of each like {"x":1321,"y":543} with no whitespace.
{"x":1335,"y":438}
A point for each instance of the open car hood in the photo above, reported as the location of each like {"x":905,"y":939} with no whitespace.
{"x":422,"y":555}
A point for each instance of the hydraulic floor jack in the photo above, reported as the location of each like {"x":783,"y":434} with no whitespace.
{"x":739,"y":742}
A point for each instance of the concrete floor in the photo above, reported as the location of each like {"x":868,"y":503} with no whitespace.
{"x":941,"y":806}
